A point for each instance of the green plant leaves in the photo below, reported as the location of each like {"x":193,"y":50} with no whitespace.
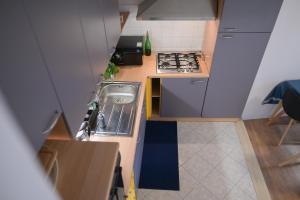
{"x":111,"y":69}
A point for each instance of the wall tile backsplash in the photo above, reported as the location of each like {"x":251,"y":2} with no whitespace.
{"x":166,"y":35}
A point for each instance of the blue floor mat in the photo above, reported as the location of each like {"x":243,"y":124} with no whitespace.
{"x":160,"y":157}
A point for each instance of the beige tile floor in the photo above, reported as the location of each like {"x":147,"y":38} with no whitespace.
{"x":211,"y":165}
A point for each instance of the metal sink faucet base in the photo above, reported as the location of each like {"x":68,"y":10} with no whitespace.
{"x":101,"y":120}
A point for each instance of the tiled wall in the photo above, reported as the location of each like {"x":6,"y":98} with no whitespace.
{"x":166,"y":35}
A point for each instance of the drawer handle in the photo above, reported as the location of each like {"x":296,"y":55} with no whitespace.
{"x":52,"y":124}
{"x":197,"y":81}
{"x":231,"y":29}
{"x":227,"y":37}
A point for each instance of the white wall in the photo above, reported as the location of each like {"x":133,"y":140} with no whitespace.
{"x":280,"y":62}
{"x":166,"y":35}
{"x":20,"y":174}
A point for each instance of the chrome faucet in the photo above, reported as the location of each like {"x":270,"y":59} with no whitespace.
{"x":84,"y":132}
{"x":101,"y":119}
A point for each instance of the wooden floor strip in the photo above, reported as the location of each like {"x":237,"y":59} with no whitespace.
{"x":257,"y":177}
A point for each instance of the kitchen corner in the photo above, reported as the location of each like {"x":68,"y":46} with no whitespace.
{"x":140,"y":74}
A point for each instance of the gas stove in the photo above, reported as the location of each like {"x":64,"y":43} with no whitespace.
{"x":177,"y":63}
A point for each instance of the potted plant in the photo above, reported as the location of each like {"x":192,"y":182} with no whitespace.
{"x":110,"y":71}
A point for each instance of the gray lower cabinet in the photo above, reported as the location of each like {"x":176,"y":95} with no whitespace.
{"x":182,"y":97}
{"x":249,"y":16}
{"x":91,"y":14}
{"x":58,"y":29}
{"x":236,"y":60}
{"x":111,"y":17}
{"x":23,"y":75}
{"x":139,"y":147}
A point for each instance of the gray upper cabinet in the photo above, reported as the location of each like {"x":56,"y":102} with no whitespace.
{"x":58,"y":29}
{"x":91,"y":14}
{"x":112,"y":23}
{"x":249,"y":15}
{"x":236,"y":60}
{"x":23,"y":75}
{"x":182,"y":97}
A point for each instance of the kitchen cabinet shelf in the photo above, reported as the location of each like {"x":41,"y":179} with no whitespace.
{"x":155,"y":93}
{"x":156,"y":87}
{"x":155,"y":106}
{"x":155,"y":96}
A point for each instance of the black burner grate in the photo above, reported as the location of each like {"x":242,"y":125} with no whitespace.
{"x":177,"y":61}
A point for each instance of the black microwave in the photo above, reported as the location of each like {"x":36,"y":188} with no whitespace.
{"x":129,"y":51}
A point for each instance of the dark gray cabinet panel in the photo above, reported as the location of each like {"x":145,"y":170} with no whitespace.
{"x":249,"y":15}
{"x":112,"y":23}
{"x":24,"y":78}
{"x":58,"y":29}
{"x":139,"y":147}
{"x":236,"y":60}
{"x":91,"y":13}
{"x":182,"y":97}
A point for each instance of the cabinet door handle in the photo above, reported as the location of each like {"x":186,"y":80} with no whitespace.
{"x":231,"y":29}
{"x":52,"y":123}
{"x":227,"y":36}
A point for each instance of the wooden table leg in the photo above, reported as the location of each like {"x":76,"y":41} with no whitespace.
{"x":278,"y":112}
{"x":288,"y":161}
{"x":286,"y":131}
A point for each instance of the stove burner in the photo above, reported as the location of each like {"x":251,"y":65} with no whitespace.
{"x":186,"y":56}
{"x":167,"y":56}
{"x":165,"y":64}
{"x":177,"y":62}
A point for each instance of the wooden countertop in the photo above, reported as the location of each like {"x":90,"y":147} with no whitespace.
{"x":85,"y":169}
{"x":148,"y":69}
{"x":140,"y":74}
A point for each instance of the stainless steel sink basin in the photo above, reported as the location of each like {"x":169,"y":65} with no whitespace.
{"x":117,"y":108}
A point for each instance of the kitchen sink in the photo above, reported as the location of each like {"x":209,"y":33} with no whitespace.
{"x":117,"y":108}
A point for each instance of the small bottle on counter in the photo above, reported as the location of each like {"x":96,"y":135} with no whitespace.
{"x":147,"y":45}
